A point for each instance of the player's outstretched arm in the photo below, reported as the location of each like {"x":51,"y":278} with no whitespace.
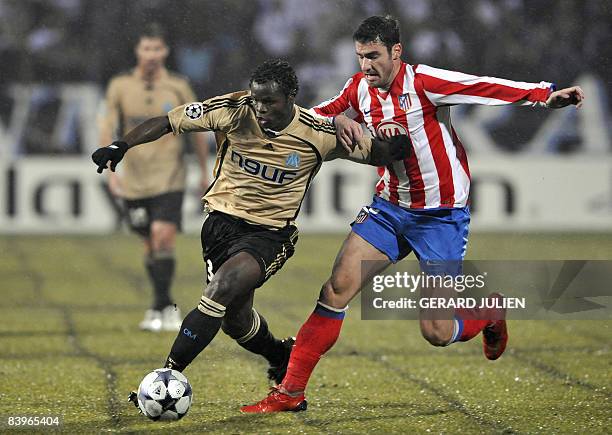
{"x":150,"y":130}
{"x":565,"y":97}
{"x":385,"y":152}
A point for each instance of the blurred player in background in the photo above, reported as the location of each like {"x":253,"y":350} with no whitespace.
{"x":269,"y":150}
{"x":420,"y":203}
{"x":152,"y":182}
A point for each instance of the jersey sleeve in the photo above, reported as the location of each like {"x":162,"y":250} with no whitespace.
{"x":443,"y":87}
{"x":215,"y":114}
{"x":341,"y":103}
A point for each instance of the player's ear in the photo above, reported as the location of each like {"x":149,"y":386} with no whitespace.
{"x":396,"y":51}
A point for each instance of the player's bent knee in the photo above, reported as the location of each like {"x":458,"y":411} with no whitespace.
{"x":436,"y":334}
{"x":163,"y":235}
{"x":226,"y":287}
{"x":220,"y":291}
{"x":235,"y":278}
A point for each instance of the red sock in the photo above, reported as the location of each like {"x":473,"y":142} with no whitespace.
{"x":471,"y":321}
{"x":314,"y":339}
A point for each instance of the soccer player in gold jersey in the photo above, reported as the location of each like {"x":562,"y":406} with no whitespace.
{"x":152,"y":182}
{"x":268,"y":151}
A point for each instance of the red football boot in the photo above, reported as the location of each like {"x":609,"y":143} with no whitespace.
{"x":495,"y":334}
{"x":277,"y":401}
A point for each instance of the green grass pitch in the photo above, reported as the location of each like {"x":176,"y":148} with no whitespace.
{"x":69,"y":346}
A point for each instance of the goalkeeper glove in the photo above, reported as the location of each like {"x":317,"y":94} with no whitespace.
{"x":112,"y":153}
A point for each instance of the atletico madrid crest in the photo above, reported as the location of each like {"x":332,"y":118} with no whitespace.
{"x":404,"y":102}
{"x":362,"y":216}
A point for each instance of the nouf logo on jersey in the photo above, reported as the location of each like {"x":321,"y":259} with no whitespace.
{"x":387,"y":129}
{"x":262,"y":170}
{"x":293,"y":160}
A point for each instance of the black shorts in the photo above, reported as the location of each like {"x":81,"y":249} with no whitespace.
{"x":224,"y":236}
{"x":165,"y":207}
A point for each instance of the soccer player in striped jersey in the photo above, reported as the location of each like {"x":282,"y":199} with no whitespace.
{"x":268,"y":151}
{"x":421,"y":203}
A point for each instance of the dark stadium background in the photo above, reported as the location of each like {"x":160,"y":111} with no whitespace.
{"x":73,"y":286}
{"x":216,"y":43}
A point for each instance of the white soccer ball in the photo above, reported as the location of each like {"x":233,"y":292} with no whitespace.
{"x":164,"y":394}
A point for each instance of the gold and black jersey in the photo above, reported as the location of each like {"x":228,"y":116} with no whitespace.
{"x":159,"y":167}
{"x":261,"y":176}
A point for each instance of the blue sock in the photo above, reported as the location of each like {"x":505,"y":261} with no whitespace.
{"x":331,"y":312}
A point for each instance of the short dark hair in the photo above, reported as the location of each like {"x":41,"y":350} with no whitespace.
{"x":378,"y":29}
{"x":152,"y":30}
{"x":279,"y":71}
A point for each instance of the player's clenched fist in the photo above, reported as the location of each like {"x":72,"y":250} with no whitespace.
{"x":565,"y":97}
{"x":112,"y":153}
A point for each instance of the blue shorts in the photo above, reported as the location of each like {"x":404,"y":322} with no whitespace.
{"x":435,"y":235}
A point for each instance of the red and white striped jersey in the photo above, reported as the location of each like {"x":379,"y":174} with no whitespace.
{"x":418,"y":104}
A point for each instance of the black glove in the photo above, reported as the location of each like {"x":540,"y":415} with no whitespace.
{"x":112,"y":153}
{"x":400,"y":146}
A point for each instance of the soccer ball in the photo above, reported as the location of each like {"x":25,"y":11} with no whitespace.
{"x":164,"y":394}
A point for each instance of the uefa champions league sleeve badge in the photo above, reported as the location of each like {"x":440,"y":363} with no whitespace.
{"x":194,"y":111}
